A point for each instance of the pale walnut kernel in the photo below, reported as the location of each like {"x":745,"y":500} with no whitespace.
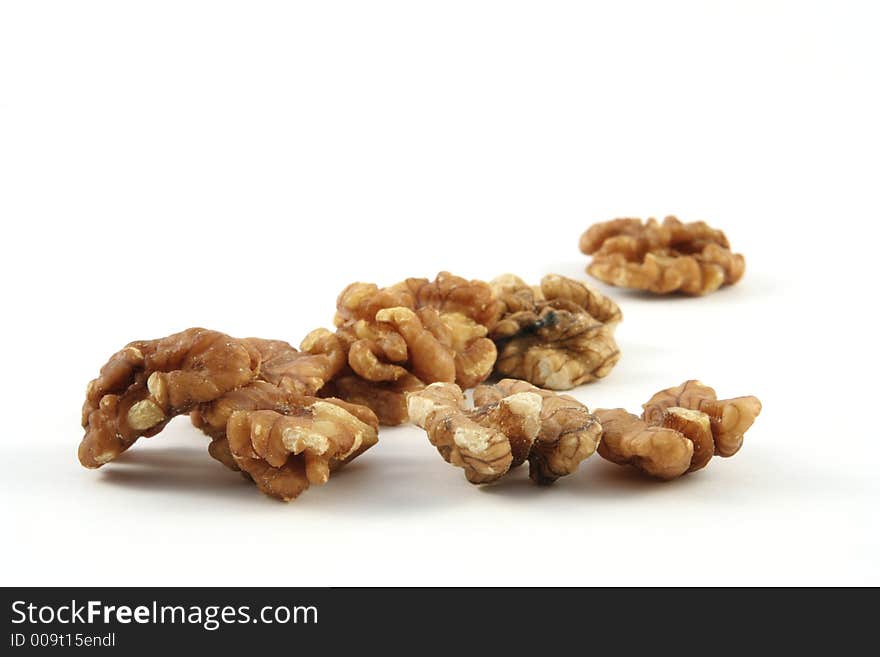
{"x":730,"y":418}
{"x":569,"y":433}
{"x":558,"y":336}
{"x":692,"y":258}
{"x":511,"y":422}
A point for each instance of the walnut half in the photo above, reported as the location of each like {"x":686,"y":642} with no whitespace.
{"x":250,"y":396}
{"x":148,"y":382}
{"x":680,"y":430}
{"x":692,"y":258}
{"x":286,"y":452}
{"x":557,"y":336}
{"x":512,"y":422}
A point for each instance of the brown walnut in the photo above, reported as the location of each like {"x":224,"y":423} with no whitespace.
{"x":417,"y":332}
{"x":218,"y":378}
{"x":569,"y":433}
{"x":285,"y":452}
{"x":512,"y":422}
{"x":692,"y":258}
{"x":680,"y":429}
{"x":387,"y":399}
{"x":148,"y":382}
{"x":556,"y":336}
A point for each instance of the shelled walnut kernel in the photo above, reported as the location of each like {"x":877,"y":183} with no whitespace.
{"x":680,"y":429}
{"x":692,"y":258}
{"x":556,"y":336}
{"x":512,"y":422}
{"x":261,"y":384}
{"x":416,"y":332}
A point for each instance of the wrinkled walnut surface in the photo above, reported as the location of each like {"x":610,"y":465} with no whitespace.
{"x":680,"y":429}
{"x":387,"y":399}
{"x":569,"y":433}
{"x":692,"y":258}
{"x":557,"y":336}
{"x":263,"y":384}
{"x":447,"y":293}
{"x":414,"y":333}
{"x":148,"y":382}
{"x":286,"y":452}
{"x":729,"y":418}
{"x":322,"y":357}
{"x":511,"y":422}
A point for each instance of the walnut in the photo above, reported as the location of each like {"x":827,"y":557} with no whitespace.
{"x":452,"y":294}
{"x":693,"y":258}
{"x":216,"y":377}
{"x":322,"y":357}
{"x":729,"y":418}
{"x":434,"y":331}
{"x":484,"y":441}
{"x":149,"y":382}
{"x":557,"y":336}
{"x":286,"y":452}
{"x":474,"y":353}
{"x":569,"y":433}
{"x":212,"y":417}
{"x":680,"y":430}
{"x":512,"y":422}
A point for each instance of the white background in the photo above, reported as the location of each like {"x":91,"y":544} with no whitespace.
{"x":235,"y":165}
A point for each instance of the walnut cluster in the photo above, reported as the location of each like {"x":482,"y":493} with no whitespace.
{"x":558,"y":335}
{"x":287,"y":418}
{"x":251,"y":396}
{"x":401,"y":338}
{"x":692,"y":258}
{"x":679,"y":431}
{"x":511,"y":422}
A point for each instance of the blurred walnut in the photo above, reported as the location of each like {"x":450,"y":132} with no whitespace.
{"x":512,"y":422}
{"x":680,"y":430}
{"x":673,"y":256}
{"x":433,"y":331}
{"x":285,"y":452}
{"x":557,"y":336}
{"x":148,"y":382}
{"x":569,"y":433}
